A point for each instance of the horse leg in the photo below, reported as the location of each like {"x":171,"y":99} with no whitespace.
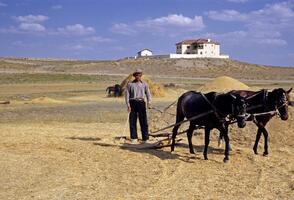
{"x":175,"y":131}
{"x":220,"y":140}
{"x":180,"y":117}
{"x":189,"y":135}
{"x":265,"y":135}
{"x":227,"y":147}
{"x":257,"y":140}
{"x":206,"y":142}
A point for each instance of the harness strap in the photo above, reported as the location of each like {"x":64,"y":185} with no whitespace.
{"x":213,"y":108}
{"x":181,"y":122}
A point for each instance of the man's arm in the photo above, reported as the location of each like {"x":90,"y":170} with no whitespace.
{"x":148,"y":95}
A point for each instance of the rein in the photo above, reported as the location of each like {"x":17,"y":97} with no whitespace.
{"x":273,"y":113}
{"x":215,"y":110}
{"x":179,"y":123}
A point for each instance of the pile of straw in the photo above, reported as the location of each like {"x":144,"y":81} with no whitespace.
{"x":223,"y":84}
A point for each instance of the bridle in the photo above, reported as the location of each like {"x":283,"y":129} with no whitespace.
{"x":283,"y":102}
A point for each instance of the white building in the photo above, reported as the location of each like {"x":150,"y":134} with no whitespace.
{"x":199,"y":48}
{"x":144,"y":52}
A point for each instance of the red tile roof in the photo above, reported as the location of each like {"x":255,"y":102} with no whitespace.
{"x":198,"y":41}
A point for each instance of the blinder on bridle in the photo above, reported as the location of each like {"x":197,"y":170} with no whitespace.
{"x":237,"y":111}
{"x":281,"y":103}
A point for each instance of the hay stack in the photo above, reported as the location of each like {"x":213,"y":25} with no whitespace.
{"x":223,"y":84}
{"x":155,"y":88}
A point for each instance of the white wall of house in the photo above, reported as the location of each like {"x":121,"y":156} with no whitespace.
{"x":145,"y":52}
{"x":173,"y":55}
{"x":184,"y":49}
{"x":209,"y":49}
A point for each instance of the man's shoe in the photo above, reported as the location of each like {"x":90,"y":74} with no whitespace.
{"x":134,"y":141}
{"x":149,"y":141}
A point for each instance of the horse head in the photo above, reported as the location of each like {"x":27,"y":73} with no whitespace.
{"x":239,"y":109}
{"x":282,"y":101}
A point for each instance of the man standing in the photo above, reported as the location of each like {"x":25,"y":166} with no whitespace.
{"x":135,"y":95}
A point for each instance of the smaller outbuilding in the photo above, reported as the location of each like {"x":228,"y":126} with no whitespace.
{"x":144,"y":53}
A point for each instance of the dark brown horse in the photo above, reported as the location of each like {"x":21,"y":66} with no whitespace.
{"x":222,"y":106}
{"x":116,"y":90}
{"x":263,"y":105}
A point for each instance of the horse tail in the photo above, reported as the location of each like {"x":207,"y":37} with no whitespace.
{"x":179,"y":117}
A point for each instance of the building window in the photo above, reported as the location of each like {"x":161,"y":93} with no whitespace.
{"x":188,"y":47}
{"x":201,"y":52}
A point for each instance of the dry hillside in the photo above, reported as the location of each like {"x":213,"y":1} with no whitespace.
{"x":160,"y":67}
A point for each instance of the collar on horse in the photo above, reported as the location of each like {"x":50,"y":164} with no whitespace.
{"x":264,"y":100}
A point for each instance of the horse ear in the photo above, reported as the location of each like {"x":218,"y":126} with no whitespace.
{"x":289,"y":90}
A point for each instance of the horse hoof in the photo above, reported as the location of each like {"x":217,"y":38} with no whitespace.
{"x":205,"y":158}
{"x":265,"y":154}
{"x":226,"y":160}
{"x":255,"y":151}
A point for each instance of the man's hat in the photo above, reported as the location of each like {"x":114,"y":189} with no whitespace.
{"x":138,"y":71}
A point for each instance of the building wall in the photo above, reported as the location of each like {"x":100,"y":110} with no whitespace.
{"x":145,"y":53}
{"x":197,"y":56}
{"x":210,"y":50}
{"x":184,"y":49}
{"x":207,"y":50}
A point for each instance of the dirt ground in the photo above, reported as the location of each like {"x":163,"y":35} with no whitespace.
{"x":64,"y":147}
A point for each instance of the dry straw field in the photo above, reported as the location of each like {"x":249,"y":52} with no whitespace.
{"x":58,"y":134}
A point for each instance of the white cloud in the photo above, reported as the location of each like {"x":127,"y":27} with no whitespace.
{"x":56,"y":7}
{"x":171,"y":24}
{"x":246,"y":38}
{"x":226,"y":15}
{"x":124,"y":29}
{"x":2,"y":4}
{"x":97,"y":39}
{"x":32,"y":27}
{"x":271,"y":13}
{"x":76,"y":29}
{"x":272,"y":41}
{"x":22,"y":44}
{"x":31,"y":18}
{"x":76,"y":47}
{"x":265,"y":26}
{"x":18,"y":43}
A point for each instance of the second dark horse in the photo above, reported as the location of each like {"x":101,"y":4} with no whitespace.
{"x":264,"y":101}
{"x":192,"y":103}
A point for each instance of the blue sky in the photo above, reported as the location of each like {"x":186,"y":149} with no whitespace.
{"x":255,"y":31}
